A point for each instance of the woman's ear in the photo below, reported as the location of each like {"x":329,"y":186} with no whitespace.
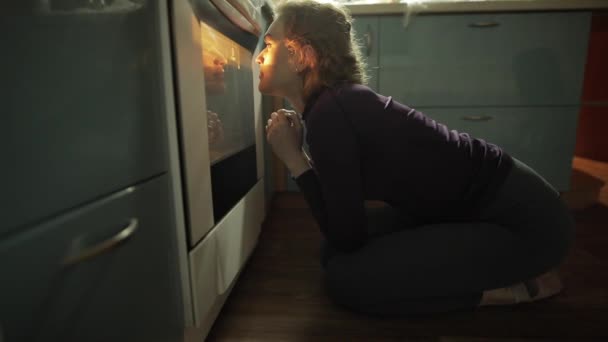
{"x":308,"y":57}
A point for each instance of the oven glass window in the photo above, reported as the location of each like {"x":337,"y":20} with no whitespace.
{"x":229,"y":94}
{"x":230,"y":110}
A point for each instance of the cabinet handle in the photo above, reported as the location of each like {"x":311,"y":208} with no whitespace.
{"x":477,"y":118}
{"x":484,"y":24}
{"x":367,"y":37}
{"x":104,"y":246}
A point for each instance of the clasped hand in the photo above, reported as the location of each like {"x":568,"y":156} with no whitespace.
{"x":284,"y":134}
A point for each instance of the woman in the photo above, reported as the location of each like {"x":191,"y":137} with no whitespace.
{"x":466,"y":225}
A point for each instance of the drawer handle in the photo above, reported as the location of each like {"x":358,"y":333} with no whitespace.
{"x":477,"y":118}
{"x":104,"y":246}
{"x":484,"y":24}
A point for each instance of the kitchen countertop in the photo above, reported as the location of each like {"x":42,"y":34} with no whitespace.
{"x":358,"y":7}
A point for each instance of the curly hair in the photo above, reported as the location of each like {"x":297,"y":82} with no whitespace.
{"x":327,"y":28}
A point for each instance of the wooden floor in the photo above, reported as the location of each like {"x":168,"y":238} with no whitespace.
{"x":280,"y":294}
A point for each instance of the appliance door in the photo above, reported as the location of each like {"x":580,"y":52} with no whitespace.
{"x":82,"y":106}
{"x":214,"y":60}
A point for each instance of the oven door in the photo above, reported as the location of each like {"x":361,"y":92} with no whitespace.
{"x":215,"y":90}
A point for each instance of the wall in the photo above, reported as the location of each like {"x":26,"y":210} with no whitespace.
{"x":592,"y":140}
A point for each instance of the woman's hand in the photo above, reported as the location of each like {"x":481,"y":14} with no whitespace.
{"x":296,"y":123}
{"x":284,"y":134}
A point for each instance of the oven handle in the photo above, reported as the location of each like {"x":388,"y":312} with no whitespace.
{"x":241,"y":13}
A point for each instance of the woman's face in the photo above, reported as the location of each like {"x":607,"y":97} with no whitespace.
{"x":278,"y":75}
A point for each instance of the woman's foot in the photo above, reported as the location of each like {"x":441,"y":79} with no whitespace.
{"x":544,"y":286}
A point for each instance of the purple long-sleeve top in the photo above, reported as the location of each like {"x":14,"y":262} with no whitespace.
{"x":365,"y":146}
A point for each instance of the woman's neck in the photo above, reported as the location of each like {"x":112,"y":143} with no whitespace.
{"x":297,"y":102}
{"x":295,"y":96}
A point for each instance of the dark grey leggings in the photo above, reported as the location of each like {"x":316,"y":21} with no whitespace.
{"x":407,"y":269}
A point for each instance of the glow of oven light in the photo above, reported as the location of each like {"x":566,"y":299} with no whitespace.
{"x":238,"y":57}
{"x":216,"y":46}
{"x":232,"y":56}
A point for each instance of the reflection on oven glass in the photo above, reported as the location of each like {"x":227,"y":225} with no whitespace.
{"x":229,"y":94}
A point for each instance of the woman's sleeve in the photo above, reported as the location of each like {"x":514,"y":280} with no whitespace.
{"x":335,"y":191}
{"x":309,"y":185}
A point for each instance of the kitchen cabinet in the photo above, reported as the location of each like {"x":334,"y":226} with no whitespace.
{"x":88,"y":242}
{"x":540,"y":136}
{"x":516,"y":78}
{"x":529,"y":59}
{"x":82,"y":107}
{"x":103,"y":272}
{"x":366,"y":33}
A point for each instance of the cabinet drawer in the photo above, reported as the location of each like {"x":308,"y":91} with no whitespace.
{"x":238,"y":234}
{"x":58,"y":287}
{"x":484,"y":59}
{"x":204,"y":277}
{"x":543,"y":138}
{"x":217,"y":260}
{"x":82,"y":110}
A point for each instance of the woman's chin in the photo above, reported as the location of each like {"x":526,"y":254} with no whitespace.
{"x":264,"y":89}
{"x":261,"y":89}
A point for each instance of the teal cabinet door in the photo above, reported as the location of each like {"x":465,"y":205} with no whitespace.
{"x":82,"y":107}
{"x":105,"y":272}
{"x":542,"y":137}
{"x":366,"y":33}
{"x":525,"y":59}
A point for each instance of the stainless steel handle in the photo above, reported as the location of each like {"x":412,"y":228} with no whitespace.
{"x":484,"y":24}
{"x":104,"y":246}
{"x":367,"y":36}
{"x":477,"y":118}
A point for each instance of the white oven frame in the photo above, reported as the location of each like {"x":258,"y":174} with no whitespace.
{"x":210,"y":265}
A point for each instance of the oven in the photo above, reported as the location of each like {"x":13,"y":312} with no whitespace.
{"x":220,"y":137}
{"x":215,"y":85}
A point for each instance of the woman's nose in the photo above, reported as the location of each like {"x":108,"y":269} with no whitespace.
{"x":259,"y":59}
